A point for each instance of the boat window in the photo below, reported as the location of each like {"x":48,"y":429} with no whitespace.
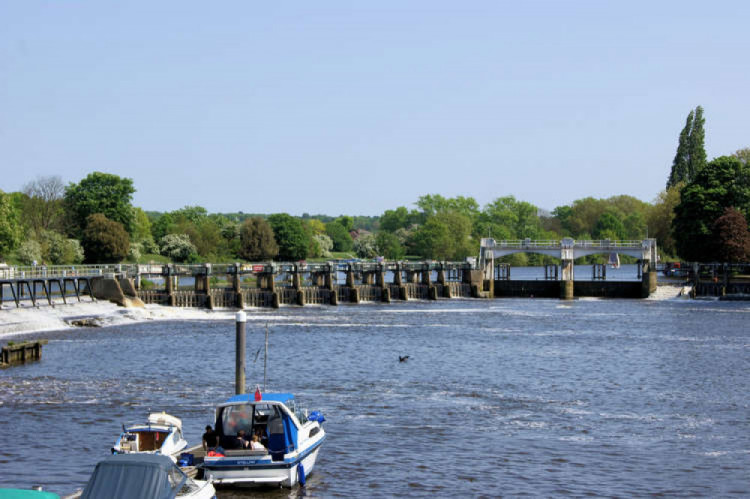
{"x":235,"y":418}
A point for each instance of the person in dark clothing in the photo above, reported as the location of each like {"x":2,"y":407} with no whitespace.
{"x":210,"y":439}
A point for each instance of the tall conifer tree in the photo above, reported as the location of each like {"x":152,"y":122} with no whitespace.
{"x":682,"y":158}
{"x":696,"y":149}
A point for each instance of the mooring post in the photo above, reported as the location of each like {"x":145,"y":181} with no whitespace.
{"x":239,"y":371}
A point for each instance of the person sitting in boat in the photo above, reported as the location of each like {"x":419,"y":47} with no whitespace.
{"x":255,"y":443}
{"x":243,"y":441}
{"x":210,"y":439}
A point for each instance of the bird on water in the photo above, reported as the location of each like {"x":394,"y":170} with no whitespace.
{"x":402,"y":358}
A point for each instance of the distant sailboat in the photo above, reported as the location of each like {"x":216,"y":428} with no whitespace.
{"x":614,"y":260}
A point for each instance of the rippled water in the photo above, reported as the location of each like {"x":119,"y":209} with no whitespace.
{"x":501,"y":397}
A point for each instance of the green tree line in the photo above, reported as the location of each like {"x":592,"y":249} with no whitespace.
{"x":700,"y":216}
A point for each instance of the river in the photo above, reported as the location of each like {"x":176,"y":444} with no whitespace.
{"x":498,"y":397}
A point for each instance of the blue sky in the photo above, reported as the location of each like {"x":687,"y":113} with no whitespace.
{"x":358,"y":107}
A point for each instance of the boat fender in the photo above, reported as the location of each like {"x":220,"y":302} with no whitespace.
{"x":316,"y":416}
{"x":301,"y":474}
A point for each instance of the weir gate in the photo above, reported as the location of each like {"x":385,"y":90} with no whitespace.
{"x":273,"y":284}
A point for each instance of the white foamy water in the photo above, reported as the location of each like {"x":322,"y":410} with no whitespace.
{"x":17,"y":321}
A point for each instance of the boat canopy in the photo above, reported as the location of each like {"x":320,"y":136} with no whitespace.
{"x":123,"y":476}
{"x":267,"y":397}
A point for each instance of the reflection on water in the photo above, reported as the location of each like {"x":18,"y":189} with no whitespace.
{"x":540,"y":397}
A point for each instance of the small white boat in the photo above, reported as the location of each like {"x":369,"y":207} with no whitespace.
{"x":161,"y":434}
{"x":291,"y":439}
{"x":614,"y":260}
{"x":127,"y":476}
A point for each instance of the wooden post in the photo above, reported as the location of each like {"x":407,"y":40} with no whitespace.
{"x":239,"y":369}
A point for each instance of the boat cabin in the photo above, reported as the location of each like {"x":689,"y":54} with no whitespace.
{"x":272,"y":418}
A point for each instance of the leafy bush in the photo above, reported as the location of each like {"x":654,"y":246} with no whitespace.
{"x":178,"y":248}
{"x":325,"y":244}
{"x":104,"y":240}
{"x":365,"y":246}
{"x":29,"y":252}
{"x":257,"y":241}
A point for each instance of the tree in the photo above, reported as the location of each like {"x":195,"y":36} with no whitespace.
{"x":722,"y":183}
{"x":162,"y":226}
{"x":609,"y":226}
{"x":660,"y":217}
{"x":58,"y":250}
{"x":104,"y":240}
{"x":365,"y":246}
{"x":508,"y":218}
{"x":29,"y":251}
{"x":691,"y":153}
{"x":257,"y":241}
{"x":342,"y":241}
{"x":10,"y":227}
{"x":696,"y":147}
{"x":389,"y":246}
{"x":178,"y":248}
{"x":681,"y":159}
{"x":43,"y":205}
{"x":102,"y":193}
{"x":290,"y":236}
{"x":392,"y":220}
{"x":732,"y":237}
{"x":325,"y":244}
{"x":445,"y":236}
{"x":743,"y":155}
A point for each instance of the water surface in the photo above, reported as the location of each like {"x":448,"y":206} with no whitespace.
{"x":498,"y":397}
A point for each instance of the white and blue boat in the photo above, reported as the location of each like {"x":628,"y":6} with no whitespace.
{"x":290,"y":437}
{"x":161,"y":434}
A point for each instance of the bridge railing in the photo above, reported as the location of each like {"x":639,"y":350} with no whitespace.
{"x":60,"y":271}
{"x":602,"y":243}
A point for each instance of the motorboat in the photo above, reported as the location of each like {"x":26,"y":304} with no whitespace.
{"x":125,"y":476}
{"x":289,"y":436}
{"x":161,"y":434}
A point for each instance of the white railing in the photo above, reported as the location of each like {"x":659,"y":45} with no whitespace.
{"x":603,"y":243}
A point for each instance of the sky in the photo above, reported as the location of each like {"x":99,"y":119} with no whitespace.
{"x":341,"y":107}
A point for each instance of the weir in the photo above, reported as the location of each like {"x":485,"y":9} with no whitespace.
{"x":272,"y":284}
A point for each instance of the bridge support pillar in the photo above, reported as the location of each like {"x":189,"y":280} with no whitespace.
{"x":386,"y":295}
{"x":648,"y":281}
{"x":441,"y":275}
{"x":566,"y":282}
{"x":350,"y":277}
{"x":427,"y":276}
{"x":397,"y":275}
{"x":236,"y":282}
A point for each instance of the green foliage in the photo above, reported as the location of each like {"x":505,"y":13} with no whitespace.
{"x":722,"y":183}
{"x":432,"y":204}
{"x":389,"y":246}
{"x":365,"y":246}
{"x":102,"y":193}
{"x":178,"y":247}
{"x":400,"y":218}
{"x":660,"y":218}
{"x":104,"y":240}
{"x":342,"y":241}
{"x":732,"y":237}
{"x":10,"y":227}
{"x":609,"y":226}
{"x":691,"y":154}
{"x":508,"y":218}
{"x":325,"y":245}
{"x":163,"y":225}
{"x":142,"y":229}
{"x":290,"y":236}
{"x":257,"y":241}
{"x":346,"y":222}
{"x":635,"y":226}
{"x":445,"y":236}
{"x":42,"y":204}
{"x":29,"y":251}
{"x":58,"y":250}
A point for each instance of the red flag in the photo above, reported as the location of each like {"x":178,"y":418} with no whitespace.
{"x":258,"y":395}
